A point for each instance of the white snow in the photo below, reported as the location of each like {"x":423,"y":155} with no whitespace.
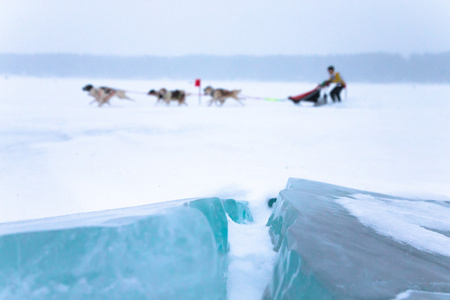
{"x":251,"y":257}
{"x":417,"y":223}
{"x":413,"y":294}
{"x":59,"y":155}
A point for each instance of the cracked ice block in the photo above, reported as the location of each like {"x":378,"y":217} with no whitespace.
{"x":238,"y":211}
{"x":340,"y":243}
{"x":158,"y":251}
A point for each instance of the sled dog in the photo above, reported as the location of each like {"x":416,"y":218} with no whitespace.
{"x":103,"y":94}
{"x":218,"y":96}
{"x":167,"y":96}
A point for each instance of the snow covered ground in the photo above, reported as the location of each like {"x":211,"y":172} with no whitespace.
{"x":59,"y":155}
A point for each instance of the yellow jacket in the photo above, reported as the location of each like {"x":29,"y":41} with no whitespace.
{"x":336,"y":78}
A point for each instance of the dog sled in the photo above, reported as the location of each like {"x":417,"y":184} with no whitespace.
{"x":315,"y":96}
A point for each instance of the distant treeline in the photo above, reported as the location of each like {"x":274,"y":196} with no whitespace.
{"x":370,"y":67}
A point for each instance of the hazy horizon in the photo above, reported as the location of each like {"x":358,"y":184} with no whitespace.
{"x":370,"y":67}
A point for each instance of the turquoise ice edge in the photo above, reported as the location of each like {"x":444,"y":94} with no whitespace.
{"x":175,"y":250}
{"x":326,"y":253}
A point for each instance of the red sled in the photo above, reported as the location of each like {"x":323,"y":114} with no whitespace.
{"x":311,"y":96}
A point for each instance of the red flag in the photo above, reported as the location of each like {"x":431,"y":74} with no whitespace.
{"x":197,"y":82}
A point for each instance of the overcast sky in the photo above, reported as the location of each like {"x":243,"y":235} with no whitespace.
{"x":259,"y":27}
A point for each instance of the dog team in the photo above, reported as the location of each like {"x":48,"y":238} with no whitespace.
{"x":102,"y":95}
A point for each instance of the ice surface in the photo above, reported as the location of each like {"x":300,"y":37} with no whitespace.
{"x":174,"y":250}
{"x":342,"y":243}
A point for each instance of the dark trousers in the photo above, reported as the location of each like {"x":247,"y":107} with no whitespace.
{"x":335,"y":93}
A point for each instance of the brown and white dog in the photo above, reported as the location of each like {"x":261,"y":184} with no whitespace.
{"x":218,"y":96}
{"x":103,"y":94}
{"x":167,"y":96}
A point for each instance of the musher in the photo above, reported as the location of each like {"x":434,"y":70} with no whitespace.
{"x":335,"y":77}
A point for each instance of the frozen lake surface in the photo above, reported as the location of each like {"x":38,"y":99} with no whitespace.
{"x":59,"y":155}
